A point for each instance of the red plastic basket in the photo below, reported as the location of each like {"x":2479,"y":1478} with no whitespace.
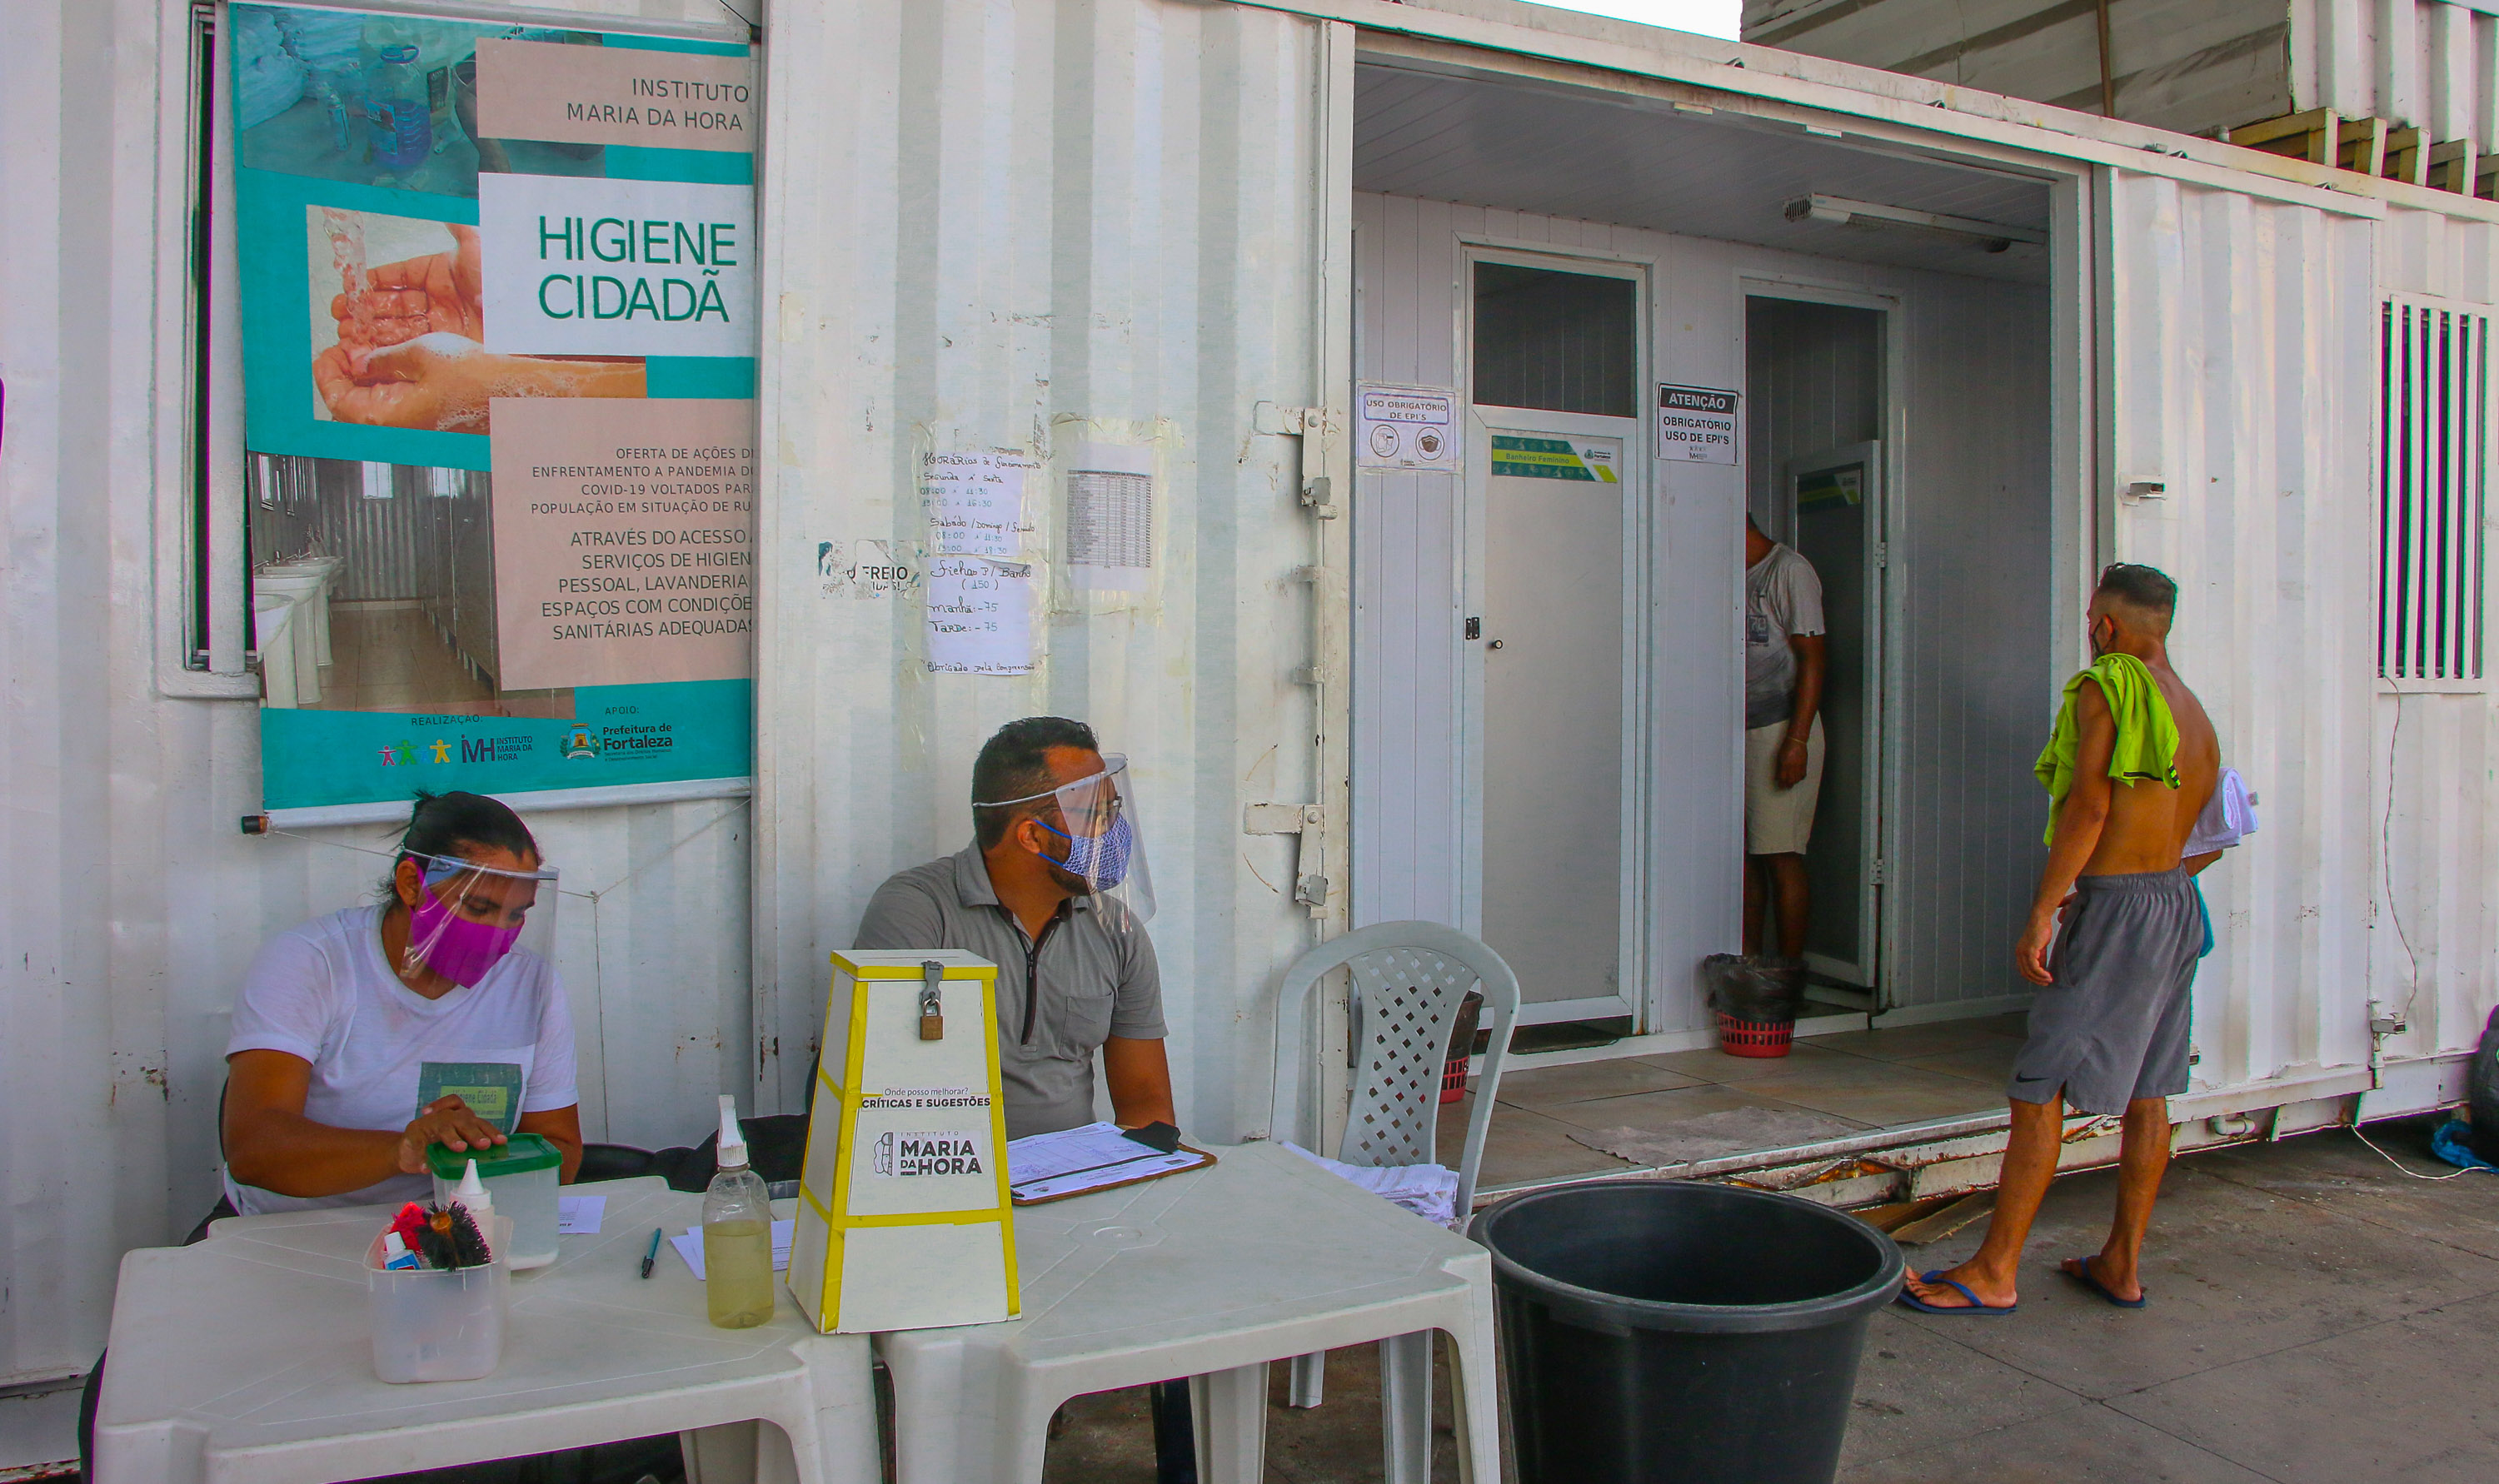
{"x":1453,"y":1079}
{"x":1755,"y":1038}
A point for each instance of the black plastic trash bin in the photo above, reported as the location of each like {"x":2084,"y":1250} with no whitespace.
{"x":1668,"y":1332}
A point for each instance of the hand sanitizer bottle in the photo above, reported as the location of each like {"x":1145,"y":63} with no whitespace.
{"x":736,"y":1234}
{"x":474,"y":1195}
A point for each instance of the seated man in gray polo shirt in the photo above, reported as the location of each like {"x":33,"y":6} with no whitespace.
{"x":1032,"y":894}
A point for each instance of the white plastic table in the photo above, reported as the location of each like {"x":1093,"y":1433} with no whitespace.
{"x":246,"y":1359}
{"x":1208,"y":1275}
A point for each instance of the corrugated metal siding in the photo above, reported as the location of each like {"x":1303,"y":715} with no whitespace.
{"x":1973,"y":503}
{"x":1009,"y":214}
{"x":133,"y":904}
{"x":1409,"y":583}
{"x":2242,"y":363}
{"x":1973,"y":526}
{"x":2434,"y":951}
{"x":2191,"y":65}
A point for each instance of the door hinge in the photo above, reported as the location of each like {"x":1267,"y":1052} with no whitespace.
{"x":1304,"y":821}
{"x":1875,"y":872}
{"x":1882,"y":554}
{"x":1281,"y":819}
{"x":1315,"y":426}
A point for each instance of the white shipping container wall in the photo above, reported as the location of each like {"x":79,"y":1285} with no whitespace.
{"x":2240,"y":374}
{"x":1017,"y":225}
{"x":1970,"y":557}
{"x":2435,"y":946}
{"x":133,"y":903}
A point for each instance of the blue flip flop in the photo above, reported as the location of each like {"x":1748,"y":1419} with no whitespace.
{"x":1974,"y":1308}
{"x":2092,"y":1280}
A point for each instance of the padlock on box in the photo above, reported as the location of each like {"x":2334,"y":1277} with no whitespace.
{"x":904,"y":1220}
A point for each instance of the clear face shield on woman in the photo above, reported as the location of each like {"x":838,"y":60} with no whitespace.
{"x":1094,"y":845}
{"x":470,"y":918}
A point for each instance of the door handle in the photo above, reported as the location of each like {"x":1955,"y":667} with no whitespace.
{"x":1494,"y":644}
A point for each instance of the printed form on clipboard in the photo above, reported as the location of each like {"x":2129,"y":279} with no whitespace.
{"x":1052,"y":1167}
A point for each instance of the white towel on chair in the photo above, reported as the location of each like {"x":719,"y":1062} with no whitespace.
{"x":1429,"y":1191}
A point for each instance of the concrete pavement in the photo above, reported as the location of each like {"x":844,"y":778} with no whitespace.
{"x":2316,"y":1318}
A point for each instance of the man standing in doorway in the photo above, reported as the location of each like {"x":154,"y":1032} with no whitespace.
{"x":2129,"y":768}
{"x":1784,"y":662}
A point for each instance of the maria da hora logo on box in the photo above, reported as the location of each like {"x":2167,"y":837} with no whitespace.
{"x":903,"y":1156}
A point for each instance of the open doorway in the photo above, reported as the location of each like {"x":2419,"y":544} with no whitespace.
{"x":1815,"y":379}
{"x":1898,"y":422}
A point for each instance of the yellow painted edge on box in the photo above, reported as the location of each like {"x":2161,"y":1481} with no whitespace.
{"x":998,"y":1134}
{"x":854,"y":1054}
{"x":892,"y":971}
{"x":965,"y":1217}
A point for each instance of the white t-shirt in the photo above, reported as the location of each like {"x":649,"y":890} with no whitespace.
{"x":322,"y":991}
{"x":1782,"y":597}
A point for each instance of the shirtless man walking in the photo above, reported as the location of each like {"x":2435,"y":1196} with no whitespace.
{"x":2138,"y":759}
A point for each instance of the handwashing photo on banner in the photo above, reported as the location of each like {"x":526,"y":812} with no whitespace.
{"x":499,"y":363}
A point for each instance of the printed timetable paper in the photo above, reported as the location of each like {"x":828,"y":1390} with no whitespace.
{"x":1110,"y":518}
{"x":1046,"y":1167}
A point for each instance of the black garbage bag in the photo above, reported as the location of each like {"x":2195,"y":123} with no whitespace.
{"x":2482,"y":1091}
{"x":776,"y":1147}
{"x":1753,"y":987}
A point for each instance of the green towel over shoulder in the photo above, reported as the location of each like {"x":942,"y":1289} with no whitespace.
{"x":2147,"y":734}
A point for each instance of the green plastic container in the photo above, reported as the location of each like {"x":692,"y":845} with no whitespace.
{"x":520,"y":1178}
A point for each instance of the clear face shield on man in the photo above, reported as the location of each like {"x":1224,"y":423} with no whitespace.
{"x":470,"y":918}
{"x":1093,"y":845}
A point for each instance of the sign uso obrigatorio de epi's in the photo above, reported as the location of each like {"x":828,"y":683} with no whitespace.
{"x":1698,"y":424}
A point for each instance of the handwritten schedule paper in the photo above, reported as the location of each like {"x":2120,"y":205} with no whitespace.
{"x":979,"y":616}
{"x":976,"y":504}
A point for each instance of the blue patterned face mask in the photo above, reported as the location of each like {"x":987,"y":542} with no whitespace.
{"x":1101,"y":859}
{"x":1096,"y":817}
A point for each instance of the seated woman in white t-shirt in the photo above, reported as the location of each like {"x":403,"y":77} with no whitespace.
{"x":342,"y":1020}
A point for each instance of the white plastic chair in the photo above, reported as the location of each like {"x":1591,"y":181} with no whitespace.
{"x":1408,"y":980}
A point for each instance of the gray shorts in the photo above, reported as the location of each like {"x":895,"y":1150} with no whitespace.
{"x":2113,"y":1028}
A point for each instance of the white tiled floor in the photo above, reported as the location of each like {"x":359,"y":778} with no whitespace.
{"x":1867,"y":1078}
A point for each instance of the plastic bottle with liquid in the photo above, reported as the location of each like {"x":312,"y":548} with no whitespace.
{"x":480,"y":1202}
{"x":736,"y":1234}
{"x":395,"y":104}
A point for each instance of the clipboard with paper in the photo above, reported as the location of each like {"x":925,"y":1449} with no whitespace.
{"x":1096,"y":1156}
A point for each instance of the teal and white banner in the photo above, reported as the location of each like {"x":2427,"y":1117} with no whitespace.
{"x":499,"y":325}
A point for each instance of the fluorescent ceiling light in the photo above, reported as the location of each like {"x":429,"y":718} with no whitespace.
{"x":1840,"y":212}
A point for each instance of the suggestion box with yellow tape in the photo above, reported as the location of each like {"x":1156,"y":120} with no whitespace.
{"x":903,"y":1215}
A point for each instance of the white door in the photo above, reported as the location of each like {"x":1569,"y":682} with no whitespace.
{"x":1555,"y":493}
{"x":1837,"y":510}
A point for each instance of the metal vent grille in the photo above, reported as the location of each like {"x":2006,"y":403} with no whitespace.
{"x":2433,"y":491}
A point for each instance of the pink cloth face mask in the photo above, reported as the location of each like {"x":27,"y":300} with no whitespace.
{"x":460,"y":947}
{"x":456,"y":948}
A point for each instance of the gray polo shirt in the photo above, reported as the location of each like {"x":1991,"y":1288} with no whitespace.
{"x":1093,"y":970}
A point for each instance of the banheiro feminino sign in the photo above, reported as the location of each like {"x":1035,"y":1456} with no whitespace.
{"x":586,"y":266}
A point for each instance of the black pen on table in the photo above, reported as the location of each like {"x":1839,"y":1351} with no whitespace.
{"x":652,"y":1255}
